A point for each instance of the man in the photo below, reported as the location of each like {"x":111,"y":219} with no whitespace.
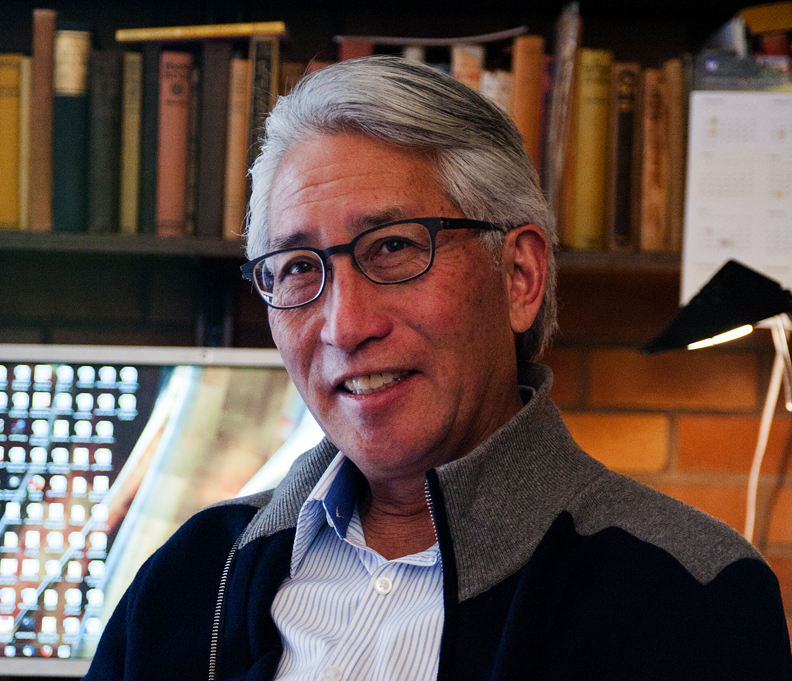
{"x":448,"y":527}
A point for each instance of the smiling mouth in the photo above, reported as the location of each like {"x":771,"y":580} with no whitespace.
{"x":373,"y":383}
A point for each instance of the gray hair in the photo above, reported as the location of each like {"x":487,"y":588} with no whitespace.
{"x":481,"y":165}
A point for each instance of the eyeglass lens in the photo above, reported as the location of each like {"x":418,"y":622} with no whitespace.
{"x":388,"y":255}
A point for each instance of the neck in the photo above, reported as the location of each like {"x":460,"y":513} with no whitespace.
{"x":397,"y":527}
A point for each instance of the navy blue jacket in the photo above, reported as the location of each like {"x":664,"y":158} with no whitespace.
{"x":554,"y":568}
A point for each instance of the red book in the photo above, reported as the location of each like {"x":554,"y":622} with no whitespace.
{"x":773,"y":44}
{"x":351,"y":48}
{"x":42,"y":97}
{"x":172,"y":134}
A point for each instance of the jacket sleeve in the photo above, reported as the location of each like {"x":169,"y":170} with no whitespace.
{"x":738,"y":632}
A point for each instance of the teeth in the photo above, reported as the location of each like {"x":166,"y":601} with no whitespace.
{"x":365,"y":385}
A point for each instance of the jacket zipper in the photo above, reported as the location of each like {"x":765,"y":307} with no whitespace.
{"x":430,"y":505}
{"x":215,"y":642}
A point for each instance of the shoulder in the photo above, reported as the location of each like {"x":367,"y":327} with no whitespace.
{"x":702,"y":544}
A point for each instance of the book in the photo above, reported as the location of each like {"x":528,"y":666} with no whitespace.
{"x":566,"y":198}
{"x":568,"y":30}
{"x":352,"y":48}
{"x":622,"y":197}
{"x":528,"y":71}
{"x":544,"y":114}
{"x":676,"y":98}
{"x":264,"y":56}
{"x":234,"y":194}
{"x":174,"y":103}
{"x":193,"y":134}
{"x":10,"y":85}
{"x":70,"y":127}
{"x":414,"y":53}
{"x":467,"y":63}
{"x":201,"y":32}
{"x":130,"y":141}
{"x":498,"y":86}
{"x":654,"y":173}
{"x":41,"y":102}
{"x":213,"y":117}
{"x":591,"y":158}
{"x":768,"y":17}
{"x":149,"y":118}
{"x":774,"y":44}
{"x":104,"y":154}
{"x":290,"y":74}
{"x":25,"y":88}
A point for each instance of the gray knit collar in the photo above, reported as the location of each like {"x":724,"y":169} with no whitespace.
{"x":500,"y":499}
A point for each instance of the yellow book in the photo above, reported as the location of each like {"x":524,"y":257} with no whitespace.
{"x":10,"y":81}
{"x":25,"y":89}
{"x":589,"y":228}
{"x":201,"y":32}
{"x":130,"y":141}
{"x":768,"y":17}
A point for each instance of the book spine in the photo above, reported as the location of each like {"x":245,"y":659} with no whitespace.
{"x":544,"y":114}
{"x":467,"y":64}
{"x":234,"y":201}
{"x":654,"y":176}
{"x":200,"y":32}
{"x":528,"y":72}
{"x":25,"y":87}
{"x":215,"y":68}
{"x":70,"y":129}
{"x":498,"y":86}
{"x":130,"y":141}
{"x":622,"y":225}
{"x":10,"y":82}
{"x":264,"y":58}
{"x":591,"y":170}
{"x":191,"y":189}
{"x":350,"y":48}
{"x":149,"y":118}
{"x":41,"y":105}
{"x":105,"y":145}
{"x":676,"y":97}
{"x":174,"y":106}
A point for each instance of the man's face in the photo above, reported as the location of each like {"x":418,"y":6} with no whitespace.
{"x":441,"y":343}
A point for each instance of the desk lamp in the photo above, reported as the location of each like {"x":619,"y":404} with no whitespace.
{"x":735,"y":301}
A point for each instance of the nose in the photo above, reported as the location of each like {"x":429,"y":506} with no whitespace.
{"x":353,"y":307}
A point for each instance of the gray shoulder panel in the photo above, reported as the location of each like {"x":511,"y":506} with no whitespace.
{"x":701,"y":543}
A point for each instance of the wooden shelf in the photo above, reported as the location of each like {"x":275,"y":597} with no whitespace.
{"x":620,"y":261}
{"x":117,"y":244}
{"x":205,"y":247}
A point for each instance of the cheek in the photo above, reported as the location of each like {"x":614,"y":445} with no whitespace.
{"x":292,"y":334}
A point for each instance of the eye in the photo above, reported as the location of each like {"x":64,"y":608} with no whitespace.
{"x":394,"y":244}
{"x":298,"y":266}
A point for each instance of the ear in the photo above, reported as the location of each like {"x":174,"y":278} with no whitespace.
{"x":525,"y":254}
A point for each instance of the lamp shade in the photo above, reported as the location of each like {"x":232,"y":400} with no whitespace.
{"x":735,"y":296}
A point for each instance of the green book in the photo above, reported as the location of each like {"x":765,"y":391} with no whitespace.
{"x":71,"y":108}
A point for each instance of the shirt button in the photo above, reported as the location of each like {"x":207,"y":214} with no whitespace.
{"x":383,"y":585}
{"x":332,"y":673}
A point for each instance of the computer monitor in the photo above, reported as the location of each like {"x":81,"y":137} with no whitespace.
{"x":104,"y":453}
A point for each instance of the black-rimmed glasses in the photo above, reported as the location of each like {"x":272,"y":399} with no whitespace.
{"x":389,"y":254}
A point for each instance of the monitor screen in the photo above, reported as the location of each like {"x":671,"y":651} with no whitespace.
{"x":104,"y":453}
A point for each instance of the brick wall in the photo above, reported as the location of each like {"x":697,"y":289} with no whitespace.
{"x":683,"y":422}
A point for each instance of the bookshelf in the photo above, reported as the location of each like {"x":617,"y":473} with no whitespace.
{"x":649,"y":32}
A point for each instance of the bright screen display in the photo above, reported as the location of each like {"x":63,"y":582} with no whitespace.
{"x":104,"y":453}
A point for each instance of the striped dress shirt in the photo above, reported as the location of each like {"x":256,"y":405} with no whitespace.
{"x":347,"y":614}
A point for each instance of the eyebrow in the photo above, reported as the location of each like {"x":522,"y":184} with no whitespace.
{"x":359,"y":224}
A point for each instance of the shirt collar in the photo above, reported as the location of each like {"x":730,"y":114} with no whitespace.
{"x":332,"y":500}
